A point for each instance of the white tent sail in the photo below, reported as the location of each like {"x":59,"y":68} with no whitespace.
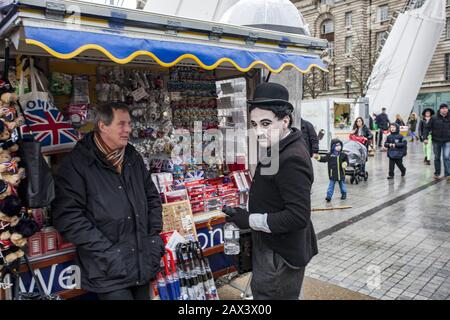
{"x":401,"y":68}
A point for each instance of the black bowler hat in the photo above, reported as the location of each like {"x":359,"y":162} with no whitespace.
{"x":269,"y":93}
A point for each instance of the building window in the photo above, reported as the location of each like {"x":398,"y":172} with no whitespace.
{"x":329,"y":2}
{"x":325,"y":81}
{"x":327,"y":27}
{"x":348,"y":72}
{"x":448,"y":3}
{"x":383,"y":13}
{"x":448,"y":28}
{"x":331,"y":49}
{"x":348,"y":45}
{"x":348,"y":19}
{"x":447,"y":67}
{"x":380,"y":39}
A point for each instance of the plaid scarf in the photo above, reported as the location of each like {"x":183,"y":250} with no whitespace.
{"x":115,"y":157}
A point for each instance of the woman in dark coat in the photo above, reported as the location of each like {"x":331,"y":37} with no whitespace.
{"x":361,"y":130}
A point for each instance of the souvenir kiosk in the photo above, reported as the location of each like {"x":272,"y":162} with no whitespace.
{"x":173,"y":72}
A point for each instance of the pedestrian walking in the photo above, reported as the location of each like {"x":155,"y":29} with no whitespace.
{"x":412,"y":123}
{"x":439,"y":127}
{"x":397,"y":149}
{"x":399,"y":120}
{"x":337,"y":163}
{"x":310,"y":137}
{"x":382,"y":122}
{"x":427,"y":147}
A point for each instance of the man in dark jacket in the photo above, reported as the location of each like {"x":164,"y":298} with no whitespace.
{"x":107,"y":205}
{"x":279,"y":203}
{"x":382,"y":122}
{"x":310,"y":137}
{"x":439,"y":126}
{"x":337,"y":163}
{"x":396,"y":145}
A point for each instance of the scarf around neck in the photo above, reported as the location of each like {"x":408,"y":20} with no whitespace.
{"x":115,"y":157}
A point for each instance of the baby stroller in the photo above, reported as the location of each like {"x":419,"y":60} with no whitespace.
{"x":357,"y":157}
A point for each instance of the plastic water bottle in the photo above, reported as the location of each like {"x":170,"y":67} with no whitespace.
{"x":231,"y":239}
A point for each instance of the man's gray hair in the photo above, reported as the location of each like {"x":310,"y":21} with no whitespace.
{"x":105,"y":113}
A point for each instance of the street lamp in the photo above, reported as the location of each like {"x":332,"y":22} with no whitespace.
{"x":348,"y":84}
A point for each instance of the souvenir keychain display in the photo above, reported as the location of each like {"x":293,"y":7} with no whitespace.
{"x":149,"y":103}
{"x":194,"y":97}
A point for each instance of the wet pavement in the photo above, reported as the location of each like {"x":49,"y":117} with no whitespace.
{"x":394,"y":243}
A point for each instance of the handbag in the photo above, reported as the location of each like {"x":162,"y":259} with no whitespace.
{"x":44,"y":120}
{"x":37,"y":190}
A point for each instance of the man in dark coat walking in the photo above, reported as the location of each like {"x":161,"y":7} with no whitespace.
{"x":382,"y":122}
{"x":107,"y":205}
{"x":279,"y":209}
{"x":310,"y":137}
{"x":439,"y":127}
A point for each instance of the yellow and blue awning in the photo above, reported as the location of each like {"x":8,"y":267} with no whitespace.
{"x":122,"y":49}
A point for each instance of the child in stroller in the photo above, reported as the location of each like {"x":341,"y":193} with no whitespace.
{"x":357,"y":157}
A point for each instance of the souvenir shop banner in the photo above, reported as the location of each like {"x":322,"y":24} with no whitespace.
{"x":121,"y":49}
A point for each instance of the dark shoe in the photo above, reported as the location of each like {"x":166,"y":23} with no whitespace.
{"x":428,"y":163}
{"x":404,"y":173}
{"x":328,"y":199}
{"x":390,"y":177}
{"x":344,"y":196}
{"x":425,"y":160}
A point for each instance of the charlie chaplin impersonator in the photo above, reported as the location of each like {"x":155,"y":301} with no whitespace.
{"x":279,"y":207}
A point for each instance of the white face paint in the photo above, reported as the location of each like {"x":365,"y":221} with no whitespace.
{"x":338,"y":148}
{"x":268,"y":129}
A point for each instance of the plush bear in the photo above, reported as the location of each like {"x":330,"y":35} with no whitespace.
{"x":23,"y":230}
{"x":4,"y":132}
{"x":5,"y":156}
{"x":10,"y":209}
{"x":8,"y":163}
{"x":12,"y":122}
{"x":10,"y":252}
{"x":8,"y":98}
{"x":5,"y":230}
{"x":5,"y":142}
{"x":14,"y":179}
{"x":9,"y":166}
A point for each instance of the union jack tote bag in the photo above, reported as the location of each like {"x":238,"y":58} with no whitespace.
{"x":43,"y":120}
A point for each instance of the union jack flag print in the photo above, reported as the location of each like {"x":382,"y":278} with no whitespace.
{"x":49,"y":128}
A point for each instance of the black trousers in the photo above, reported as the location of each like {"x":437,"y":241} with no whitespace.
{"x":399,"y":163}
{"x":132,"y":293}
{"x":273,"y":278}
{"x":380,"y":137}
